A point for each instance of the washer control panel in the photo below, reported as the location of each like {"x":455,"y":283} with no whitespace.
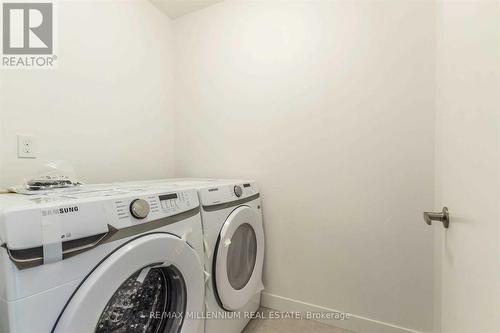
{"x":89,"y":210}
{"x":151,"y":206}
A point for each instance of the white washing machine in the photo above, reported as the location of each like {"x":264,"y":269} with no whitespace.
{"x":102,"y":259}
{"x":234,"y":250}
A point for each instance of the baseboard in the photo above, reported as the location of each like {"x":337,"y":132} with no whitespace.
{"x":355,"y":323}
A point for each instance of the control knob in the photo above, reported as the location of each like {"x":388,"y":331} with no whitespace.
{"x":139,"y":208}
{"x":238,"y":191}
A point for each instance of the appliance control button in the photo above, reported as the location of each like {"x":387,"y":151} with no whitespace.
{"x":139,"y":208}
{"x":238,"y":191}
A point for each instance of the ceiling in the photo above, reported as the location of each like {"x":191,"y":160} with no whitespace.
{"x":177,"y":8}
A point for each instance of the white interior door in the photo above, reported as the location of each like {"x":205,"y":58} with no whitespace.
{"x":468,"y":166}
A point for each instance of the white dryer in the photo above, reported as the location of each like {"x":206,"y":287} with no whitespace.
{"x":102,"y":259}
{"x":234,"y":250}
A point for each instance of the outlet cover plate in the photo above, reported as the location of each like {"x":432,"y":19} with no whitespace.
{"x":26,"y":147}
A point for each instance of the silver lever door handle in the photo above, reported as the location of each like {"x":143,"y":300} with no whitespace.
{"x":444,"y":217}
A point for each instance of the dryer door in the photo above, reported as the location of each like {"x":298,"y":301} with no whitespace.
{"x":148,"y":284}
{"x":239,"y":258}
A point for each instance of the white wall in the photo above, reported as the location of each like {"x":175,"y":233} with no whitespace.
{"x":330,"y":107}
{"x":468,"y":164}
{"x":107,"y":109}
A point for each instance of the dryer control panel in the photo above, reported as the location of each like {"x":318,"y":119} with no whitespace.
{"x":220,"y":194}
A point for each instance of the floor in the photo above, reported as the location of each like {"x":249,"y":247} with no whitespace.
{"x":267,"y":325}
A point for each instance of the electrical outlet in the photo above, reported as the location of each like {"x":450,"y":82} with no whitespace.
{"x":26,"y":147}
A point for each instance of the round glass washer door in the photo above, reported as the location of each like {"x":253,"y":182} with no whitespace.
{"x":150,"y":290}
{"x":148,"y":285}
{"x":239,"y":258}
